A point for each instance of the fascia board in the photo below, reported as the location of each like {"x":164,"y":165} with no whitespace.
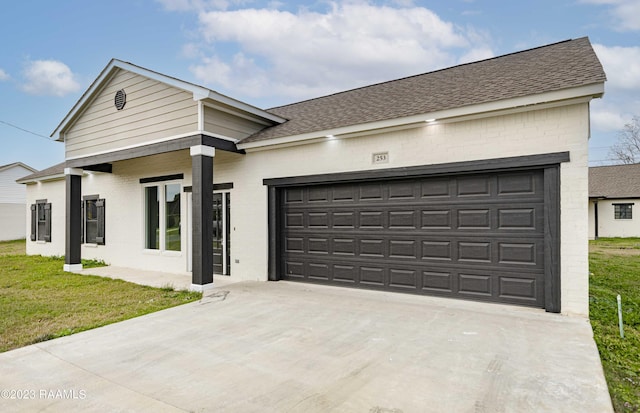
{"x":523,"y":103}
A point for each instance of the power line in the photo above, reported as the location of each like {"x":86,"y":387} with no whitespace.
{"x":25,"y":130}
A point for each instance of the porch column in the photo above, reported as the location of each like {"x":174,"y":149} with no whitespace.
{"x":73,"y":219}
{"x":202,"y":217}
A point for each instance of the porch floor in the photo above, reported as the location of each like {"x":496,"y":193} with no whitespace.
{"x":178,"y":281}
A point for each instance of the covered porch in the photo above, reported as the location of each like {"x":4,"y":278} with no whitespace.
{"x":199,"y":225}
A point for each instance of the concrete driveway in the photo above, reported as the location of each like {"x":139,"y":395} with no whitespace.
{"x":289,"y":347}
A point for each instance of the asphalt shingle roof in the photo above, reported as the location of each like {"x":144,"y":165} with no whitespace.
{"x":558,"y":66}
{"x":50,"y":171}
{"x":615,"y":181}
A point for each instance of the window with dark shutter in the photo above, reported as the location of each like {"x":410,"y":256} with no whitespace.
{"x":34,"y":222}
{"x":93,"y":213}
{"x":100,"y":215}
{"x":41,"y":221}
{"x":47,"y":223}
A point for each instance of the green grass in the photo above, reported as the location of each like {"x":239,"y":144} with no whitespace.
{"x":39,"y":301}
{"x":12,"y":247}
{"x":615,"y":269}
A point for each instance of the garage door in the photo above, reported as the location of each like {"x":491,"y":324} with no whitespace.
{"x":478,"y":236}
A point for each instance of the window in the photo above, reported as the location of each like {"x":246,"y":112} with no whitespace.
{"x":622,"y":211}
{"x":93,"y":217}
{"x":41,"y":221}
{"x":163,"y":217}
{"x":172,"y":214}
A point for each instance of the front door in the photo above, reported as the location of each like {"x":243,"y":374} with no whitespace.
{"x":221,"y":232}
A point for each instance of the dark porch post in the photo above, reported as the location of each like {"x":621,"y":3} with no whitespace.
{"x":73,"y":219}
{"x":202,"y":217}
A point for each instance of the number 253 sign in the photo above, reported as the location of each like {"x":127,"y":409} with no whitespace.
{"x":382,"y":157}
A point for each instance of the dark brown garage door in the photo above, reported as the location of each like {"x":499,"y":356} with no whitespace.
{"x":470,"y":236}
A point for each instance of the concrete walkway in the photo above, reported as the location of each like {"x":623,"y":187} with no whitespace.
{"x":178,"y":281}
{"x":290,"y":347}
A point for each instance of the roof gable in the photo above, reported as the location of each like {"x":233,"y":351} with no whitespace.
{"x":560,"y":66}
{"x":199,"y":93}
{"x":17,"y":165}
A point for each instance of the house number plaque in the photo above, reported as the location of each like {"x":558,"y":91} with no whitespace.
{"x":380,"y":157}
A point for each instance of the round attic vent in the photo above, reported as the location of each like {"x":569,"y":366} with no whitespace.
{"x":120,"y":99}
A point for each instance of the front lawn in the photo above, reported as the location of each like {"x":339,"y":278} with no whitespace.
{"x":614,"y":264}
{"x":39,"y":301}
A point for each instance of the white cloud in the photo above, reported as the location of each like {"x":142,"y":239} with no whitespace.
{"x":620,"y":102}
{"x":624,"y":12}
{"x":607,"y":117}
{"x":3,"y":75}
{"x":622,"y":66}
{"x":49,"y":77}
{"x":310,"y":53}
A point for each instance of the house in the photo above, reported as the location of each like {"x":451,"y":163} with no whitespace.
{"x":613,"y":192}
{"x":12,"y":200}
{"x":448,"y":183}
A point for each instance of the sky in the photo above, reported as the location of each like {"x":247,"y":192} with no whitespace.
{"x":270,"y":53}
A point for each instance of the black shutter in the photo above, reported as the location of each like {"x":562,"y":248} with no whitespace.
{"x":47,"y":223}
{"x":34,"y":221}
{"x":82,"y":218}
{"x":100,"y":210}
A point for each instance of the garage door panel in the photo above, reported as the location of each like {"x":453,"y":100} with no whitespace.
{"x":402,"y":219}
{"x":373,"y":248}
{"x":470,"y":251}
{"x":318,"y":246}
{"x":437,"y":281}
{"x":520,"y":218}
{"x":294,"y":269}
{"x":435,"y":219}
{"x":345,"y":273}
{"x":520,"y":253}
{"x":403,"y":249}
{"x":372,"y":219}
{"x":318,"y":194}
{"x":436,"y":188}
{"x":343,"y":220}
{"x":475,"y":284}
{"x":294,"y":244}
{"x":518,"y":289}
{"x":318,"y":219}
{"x":520,"y":183}
{"x":437,"y":250}
{"x":403,"y":278}
{"x":472,"y":236}
{"x":372,"y":275}
{"x":474,"y":219}
{"x":474,"y":186}
{"x":294,"y":196}
{"x":294,"y":220}
{"x":344,"y":246}
{"x":402,"y":191}
{"x":371,"y":192}
{"x":319,"y":271}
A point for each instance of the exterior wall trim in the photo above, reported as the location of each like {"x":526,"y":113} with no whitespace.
{"x":155,"y":149}
{"x":161,"y":178}
{"x":485,"y":165}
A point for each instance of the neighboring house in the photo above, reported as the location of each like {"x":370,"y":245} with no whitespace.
{"x":614,"y":201}
{"x":12,"y":200}
{"x":448,"y":183}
